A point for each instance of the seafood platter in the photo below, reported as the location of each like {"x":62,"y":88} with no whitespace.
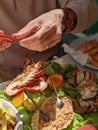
{"x":77,"y":89}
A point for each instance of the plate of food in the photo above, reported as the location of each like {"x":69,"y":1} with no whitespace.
{"x":57,"y":116}
{"x":9,"y":116}
{"x":88,"y":45}
{"x":77,"y":89}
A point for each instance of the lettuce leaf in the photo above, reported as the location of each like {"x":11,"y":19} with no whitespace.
{"x":77,"y":122}
{"x":3,"y":96}
{"x":80,"y":120}
{"x":92,"y":117}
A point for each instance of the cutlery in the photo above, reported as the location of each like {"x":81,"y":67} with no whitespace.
{"x":59,"y":102}
{"x":45,"y":115}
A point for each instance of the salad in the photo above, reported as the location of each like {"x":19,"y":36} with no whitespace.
{"x":80,"y":86}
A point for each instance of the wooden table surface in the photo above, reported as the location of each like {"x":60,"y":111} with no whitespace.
{"x":4,"y":75}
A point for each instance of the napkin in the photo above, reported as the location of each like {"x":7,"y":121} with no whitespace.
{"x":78,"y":56}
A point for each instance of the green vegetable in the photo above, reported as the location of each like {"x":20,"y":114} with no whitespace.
{"x":49,"y":70}
{"x":92,"y":118}
{"x":71,"y":67}
{"x":71,"y":91}
{"x":27,"y":127}
{"x":68,"y":75}
{"x":56,"y":67}
{"x":77,"y":122}
{"x":48,"y":92}
{"x":26,"y":117}
{"x":67,"y":70}
{"x":61,"y":92}
{"x":39,"y":97}
{"x":2,"y":95}
{"x":21,"y":109}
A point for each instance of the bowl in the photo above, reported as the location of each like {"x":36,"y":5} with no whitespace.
{"x":19,"y":124}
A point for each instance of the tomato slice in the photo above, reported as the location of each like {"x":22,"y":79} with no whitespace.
{"x":57,"y":79}
{"x":88,"y":127}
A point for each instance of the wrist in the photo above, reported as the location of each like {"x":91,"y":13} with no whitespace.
{"x":59,"y":13}
{"x":70,"y":19}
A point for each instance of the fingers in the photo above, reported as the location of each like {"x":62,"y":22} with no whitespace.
{"x":1,"y":32}
{"x":53,"y":42}
{"x":47,"y":34}
{"x":40,"y":36}
{"x":4,"y":45}
{"x":46,"y":29}
{"x":41,"y":46}
{"x":28,"y":29}
{"x":53,"y":35}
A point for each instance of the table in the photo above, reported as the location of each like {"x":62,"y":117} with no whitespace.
{"x":4,"y":75}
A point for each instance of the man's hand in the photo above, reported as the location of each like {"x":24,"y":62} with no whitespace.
{"x":43,"y":32}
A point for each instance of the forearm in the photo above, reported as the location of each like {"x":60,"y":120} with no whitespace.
{"x":86,"y":11}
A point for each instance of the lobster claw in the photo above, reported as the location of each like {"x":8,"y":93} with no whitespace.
{"x":7,"y":38}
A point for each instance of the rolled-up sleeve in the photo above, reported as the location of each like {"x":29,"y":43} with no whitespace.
{"x":86,"y":10}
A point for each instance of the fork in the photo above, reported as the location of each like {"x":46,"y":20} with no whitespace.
{"x":59,"y":102}
{"x":45,"y":115}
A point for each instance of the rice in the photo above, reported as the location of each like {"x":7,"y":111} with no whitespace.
{"x":59,"y":118}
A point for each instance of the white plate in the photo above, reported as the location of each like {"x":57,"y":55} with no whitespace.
{"x":76,"y":43}
{"x":7,"y":104}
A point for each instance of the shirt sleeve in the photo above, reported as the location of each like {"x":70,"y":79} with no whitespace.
{"x":86,"y":11}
